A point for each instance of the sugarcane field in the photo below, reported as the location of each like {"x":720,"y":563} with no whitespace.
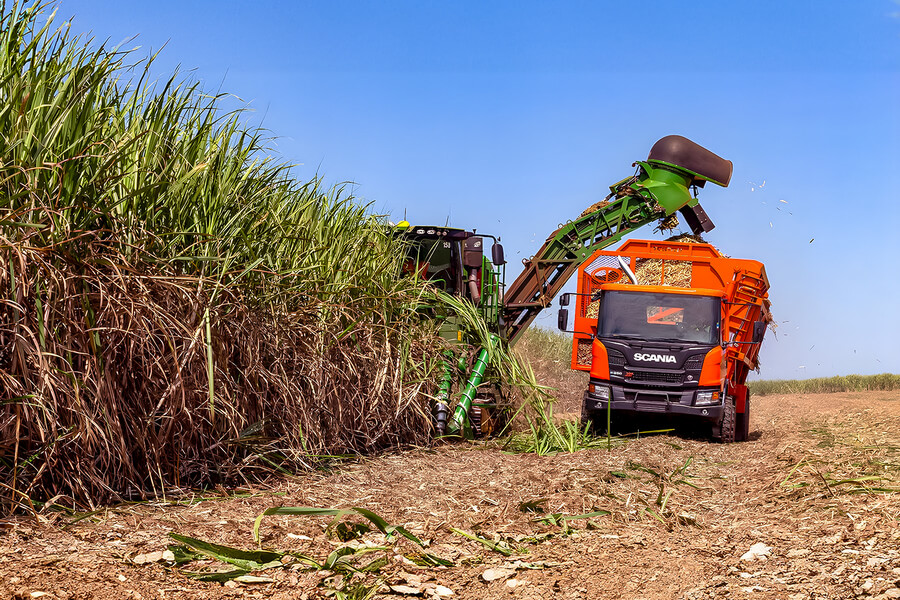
{"x":435,"y":311}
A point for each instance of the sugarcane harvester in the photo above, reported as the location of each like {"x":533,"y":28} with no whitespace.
{"x":453,"y":261}
{"x":663,"y":185}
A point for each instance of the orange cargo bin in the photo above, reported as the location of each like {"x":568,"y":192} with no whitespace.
{"x":681,"y":268}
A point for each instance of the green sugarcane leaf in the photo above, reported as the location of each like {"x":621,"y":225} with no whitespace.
{"x":309,"y":511}
{"x":495,"y":546}
{"x":429,"y":560}
{"x":376,"y":520}
{"x":376,"y":565}
{"x":340,"y":559}
{"x":220,"y":576}
{"x":184,"y":554}
{"x":252,"y":560}
{"x":389,"y":530}
{"x":307,"y":560}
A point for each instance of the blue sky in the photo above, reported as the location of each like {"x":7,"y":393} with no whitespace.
{"x":512,"y":117}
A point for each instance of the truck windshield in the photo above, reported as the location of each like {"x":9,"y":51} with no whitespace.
{"x":656,"y":316}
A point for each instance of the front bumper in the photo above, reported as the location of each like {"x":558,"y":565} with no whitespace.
{"x":653,"y":401}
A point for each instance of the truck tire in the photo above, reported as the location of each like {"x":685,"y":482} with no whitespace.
{"x":727,"y":433}
{"x":742,"y":433}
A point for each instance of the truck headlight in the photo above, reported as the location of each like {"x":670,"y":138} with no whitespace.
{"x":707,"y":398}
{"x":602,"y":391}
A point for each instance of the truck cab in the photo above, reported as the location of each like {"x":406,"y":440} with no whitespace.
{"x":656,"y":344}
{"x":678,"y":337}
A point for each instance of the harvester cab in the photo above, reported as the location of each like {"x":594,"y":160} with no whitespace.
{"x":453,"y":261}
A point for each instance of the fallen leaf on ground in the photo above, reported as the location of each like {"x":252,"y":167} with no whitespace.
{"x":406,"y":590}
{"x":253,"y":579}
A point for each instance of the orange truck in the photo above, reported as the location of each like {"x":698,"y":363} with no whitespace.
{"x":671,"y":328}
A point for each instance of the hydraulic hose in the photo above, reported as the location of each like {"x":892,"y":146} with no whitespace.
{"x":474,"y":290}
{"x":465,"y":401}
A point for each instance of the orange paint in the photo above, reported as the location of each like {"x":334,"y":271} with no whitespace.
{"x":740,"y":397}
{"x":576,"y":342}
{"x":600,"y":366}
{"x":711,"y":375}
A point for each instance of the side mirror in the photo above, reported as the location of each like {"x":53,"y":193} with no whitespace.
{"x":497,"y":255}
{"x":562,"y":320}
{"x":759,"y":330}
{"x":564,"y":299}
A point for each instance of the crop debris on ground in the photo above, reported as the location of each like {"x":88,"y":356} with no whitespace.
{"x":660,"y":516}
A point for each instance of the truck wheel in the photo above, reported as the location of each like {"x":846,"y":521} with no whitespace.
{"x":742,"y":432}
{"x":729,"y":422}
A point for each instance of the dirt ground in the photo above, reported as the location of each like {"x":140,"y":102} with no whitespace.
{"x":813,"y":487}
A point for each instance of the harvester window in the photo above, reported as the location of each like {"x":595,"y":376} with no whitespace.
{"x":440,"y":266}
{"x":436,"y":260}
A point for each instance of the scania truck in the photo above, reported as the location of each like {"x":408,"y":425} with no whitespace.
{"x":670,"y":328}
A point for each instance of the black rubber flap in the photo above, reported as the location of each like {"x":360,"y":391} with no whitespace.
{"x":697,"y":219}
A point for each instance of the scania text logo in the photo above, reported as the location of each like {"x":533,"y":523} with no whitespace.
{"x":665,"y":358}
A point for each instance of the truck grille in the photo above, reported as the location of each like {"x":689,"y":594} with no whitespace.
{"x":650,"y":406}
{"x":694,"y":362}
{"x":652,"y":376}
{"x":616,"y":358}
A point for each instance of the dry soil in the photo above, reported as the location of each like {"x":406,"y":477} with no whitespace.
{"x":812,"y":490}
